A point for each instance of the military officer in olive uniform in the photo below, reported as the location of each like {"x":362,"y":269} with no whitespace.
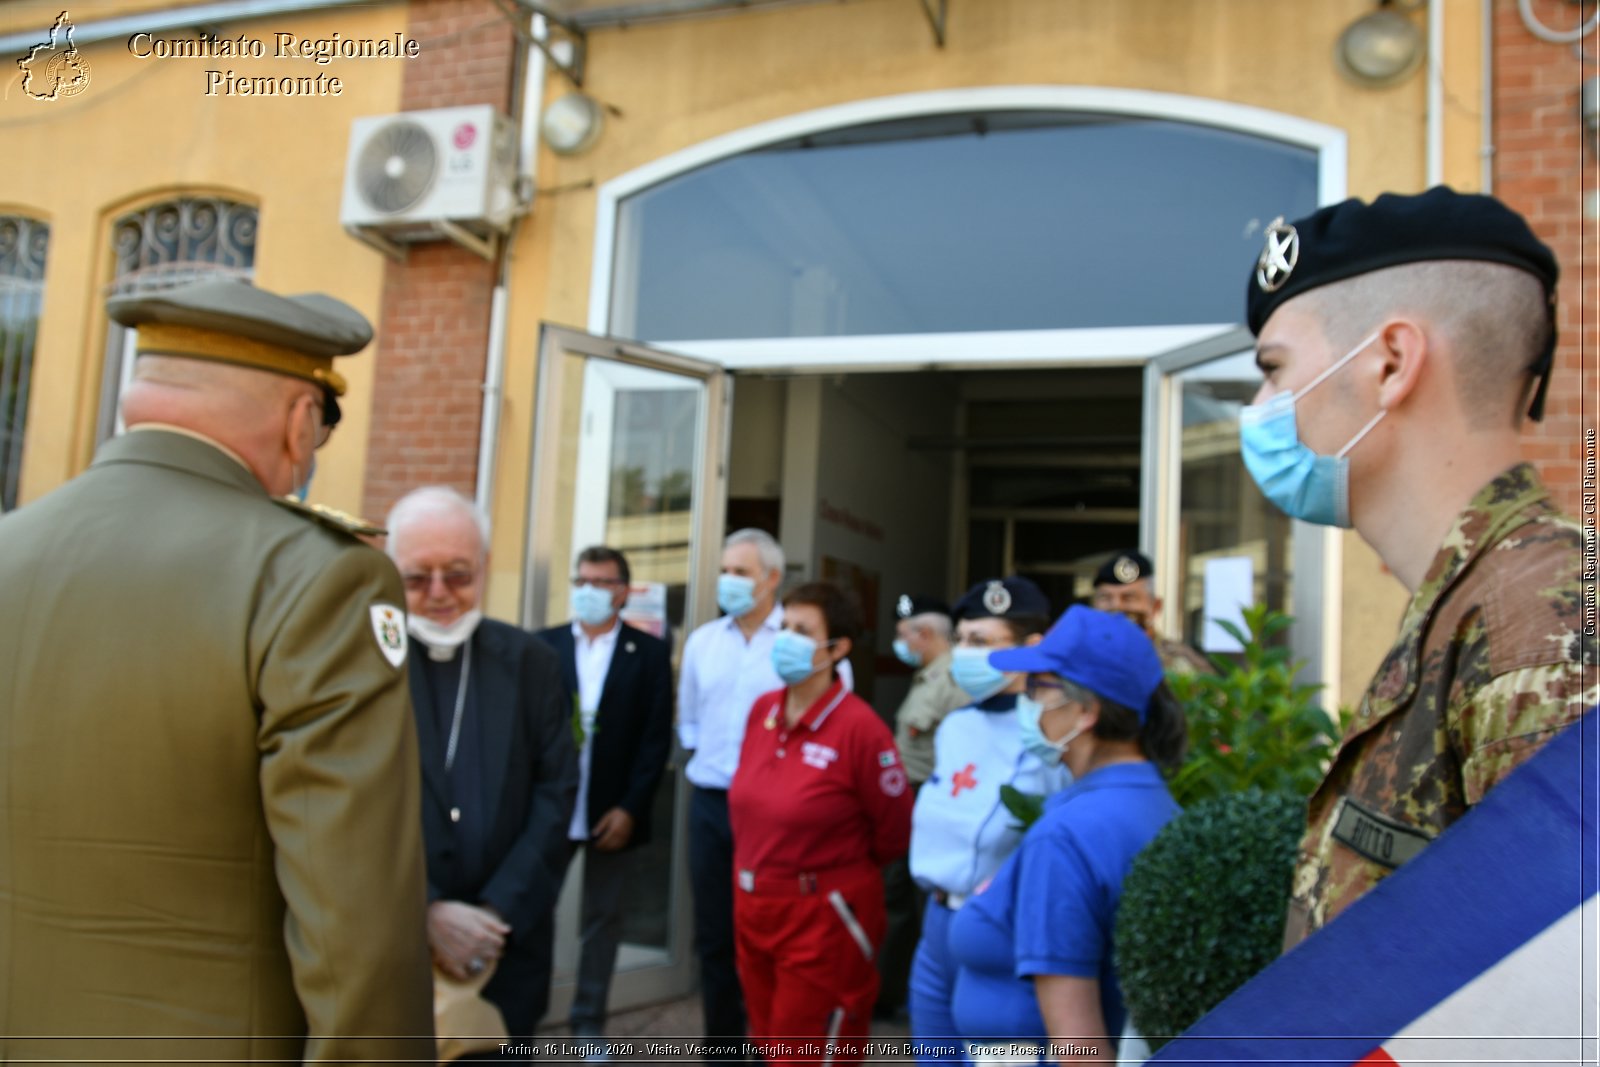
{"x":923,"y":631}
{"x":1125,"y":584}
{"x":1402,"y":341}
{"x":209,"y":844}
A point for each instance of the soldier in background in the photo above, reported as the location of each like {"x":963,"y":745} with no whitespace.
{"x":1401,"y":341}
{"x":923,"y":629}
{"x":208,"y":770}
{"x":1125,"y":584}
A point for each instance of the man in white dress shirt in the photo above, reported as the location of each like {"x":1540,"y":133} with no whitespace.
{"x":727,"y":663}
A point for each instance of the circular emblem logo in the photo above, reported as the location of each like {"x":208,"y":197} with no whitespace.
{"x":902,"y":607}
{"x":1278,"y":256}
{"x":997,"y":598}
{"x":892,"y":782}
{"x":465,"y":135}
{"x":1125,"y":570}
{"x":68,"y":73}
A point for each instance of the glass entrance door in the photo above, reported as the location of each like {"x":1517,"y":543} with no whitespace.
{"x":1204,"y":523}
{"x":630,"y":452}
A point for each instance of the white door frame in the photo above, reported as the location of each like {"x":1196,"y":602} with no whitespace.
{"x":1316,"y":550}
{"x":609,"y":366}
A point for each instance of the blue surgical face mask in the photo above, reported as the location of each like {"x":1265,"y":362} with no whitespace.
{"x":792,"y":656}
{"x":1301,"y":483}
{"x":972,"y":671}
{"x":591,"y":605}
{"x":736,"y":594}
{"x":1045,"y":750}
{"x":303,"y":490}
{"x":906,"y":654}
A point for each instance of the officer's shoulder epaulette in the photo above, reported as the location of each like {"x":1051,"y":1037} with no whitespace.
{"x":339,"y":520}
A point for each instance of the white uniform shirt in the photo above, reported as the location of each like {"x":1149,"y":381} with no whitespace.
{"x":961,"y":832}
{"x":718,"y":681}
{"x":593,"y":660}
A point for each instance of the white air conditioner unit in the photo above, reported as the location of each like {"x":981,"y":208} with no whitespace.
{"x":448,"y":173}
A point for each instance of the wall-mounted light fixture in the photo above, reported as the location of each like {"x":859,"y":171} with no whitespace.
{"x":1380,"y":48}
{"x":572,"y":124}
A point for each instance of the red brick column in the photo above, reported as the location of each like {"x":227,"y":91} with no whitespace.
{"x":1544,"y":169}
{"x":433,"y":329}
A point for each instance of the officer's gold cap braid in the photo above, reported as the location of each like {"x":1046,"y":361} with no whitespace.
{"x":167,"y":339}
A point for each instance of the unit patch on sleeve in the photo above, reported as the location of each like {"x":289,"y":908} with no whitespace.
{"x":389,"y":626}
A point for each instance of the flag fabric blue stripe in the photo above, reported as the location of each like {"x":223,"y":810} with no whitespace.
{"x":1502,"y":873}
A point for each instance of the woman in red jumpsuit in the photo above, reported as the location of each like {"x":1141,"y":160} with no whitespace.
{"x":819,"y":804}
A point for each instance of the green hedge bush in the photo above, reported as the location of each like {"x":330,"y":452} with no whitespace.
{"x":1203,"y":908}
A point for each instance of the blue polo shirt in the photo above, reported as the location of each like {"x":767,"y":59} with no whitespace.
{"x":1053,"y":903}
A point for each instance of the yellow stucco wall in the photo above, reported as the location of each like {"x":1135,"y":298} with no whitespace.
{"x":144,"y":128}
{"x":144,"y":131}
{"x":677,"y":84}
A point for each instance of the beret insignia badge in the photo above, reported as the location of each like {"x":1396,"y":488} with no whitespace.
{"x":997,"y":599}
{"x":1125,"y":569}
{"x":1279,"y":255}
{"x":902,"y":606}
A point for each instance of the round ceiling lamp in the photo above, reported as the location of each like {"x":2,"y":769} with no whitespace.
{"x":572,"y":124}
{"x":1379,"y":49}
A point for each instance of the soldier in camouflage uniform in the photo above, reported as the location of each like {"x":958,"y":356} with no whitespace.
{"x":1125,"y":584}
{"x":1442,"y":306}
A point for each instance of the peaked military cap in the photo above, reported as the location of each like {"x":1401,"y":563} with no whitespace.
{"x":910,"y":605}
{"x":1003,"y":598}
{"x":1345,"y":240}
{"x":231,"y":321}
{"x":1124,"y":568}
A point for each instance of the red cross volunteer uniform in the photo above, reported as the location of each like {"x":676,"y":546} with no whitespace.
{"x":817,"y":809}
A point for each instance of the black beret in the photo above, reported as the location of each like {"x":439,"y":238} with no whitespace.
{"x":1123,"y":569}
{"x":1003,"y":598}
{"x":1344,"y":240}
{"x":909,"y":606}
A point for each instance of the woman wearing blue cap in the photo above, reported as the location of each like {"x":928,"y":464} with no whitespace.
{"x":1034,"y":946}
{"x":960,"y":830}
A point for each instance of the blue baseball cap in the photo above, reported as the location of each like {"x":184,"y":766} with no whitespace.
{"x":1104,"y":653}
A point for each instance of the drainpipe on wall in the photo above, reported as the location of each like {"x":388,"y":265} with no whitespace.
{"x":1486,"y":109}
{"x":530,"y":104}
{"x":1435,"y":93}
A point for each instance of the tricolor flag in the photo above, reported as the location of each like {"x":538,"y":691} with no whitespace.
{"x":1481,"y":950}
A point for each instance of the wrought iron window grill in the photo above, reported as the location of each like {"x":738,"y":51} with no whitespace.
{"x":23,"y":243}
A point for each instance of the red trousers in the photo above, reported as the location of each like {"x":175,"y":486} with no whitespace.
{"x":804,"y":946}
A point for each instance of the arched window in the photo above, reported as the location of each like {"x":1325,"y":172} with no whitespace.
{"x":164,"y":245}
{"x":23,"y":243}
{"x":948,"y":223}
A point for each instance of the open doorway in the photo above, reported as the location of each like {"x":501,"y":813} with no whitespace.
{"x":925,"y":482}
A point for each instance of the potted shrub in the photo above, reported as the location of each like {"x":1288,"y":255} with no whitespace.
{"x":1203,"y":906}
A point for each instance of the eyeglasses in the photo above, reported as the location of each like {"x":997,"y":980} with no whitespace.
{"x":330,"y":410}
{"x":579,"y":581}
{"x":328,"y":407}
{"x":1037,"y":688}
{"x":455,"y":579}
